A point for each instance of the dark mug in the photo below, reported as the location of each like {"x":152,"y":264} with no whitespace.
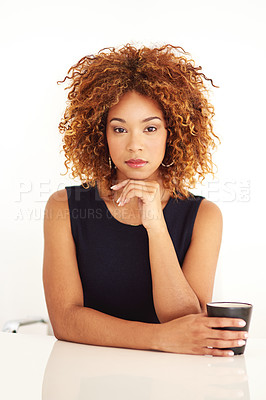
{"x":231,"y":310}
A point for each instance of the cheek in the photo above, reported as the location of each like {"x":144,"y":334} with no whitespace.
{"x":158,"y":146}
{"x":114,"y":146}
{"x":110,"y":141}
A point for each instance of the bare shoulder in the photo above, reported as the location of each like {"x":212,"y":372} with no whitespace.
{"x":56,"y":204}
{"x":58,"y":198}
{"x":209,"y":217}
{"x":208,"y":208}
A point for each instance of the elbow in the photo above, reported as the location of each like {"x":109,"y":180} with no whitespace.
{"x":196,"y":308}
{"x":59,"y":327}
{"x":186,"y":310}
{"x":58,"y":334}
{"x":64,"y":324}
{"x":62,"y":334}
{"x":191,"y":308}
{"x":57,"y":331}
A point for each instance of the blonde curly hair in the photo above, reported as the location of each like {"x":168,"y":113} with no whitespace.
{"x":163,"y":74}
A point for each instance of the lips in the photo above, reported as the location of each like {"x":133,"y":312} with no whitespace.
{"x":136,"y":163}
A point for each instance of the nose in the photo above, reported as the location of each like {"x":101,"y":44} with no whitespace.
{"x":135,"y":142}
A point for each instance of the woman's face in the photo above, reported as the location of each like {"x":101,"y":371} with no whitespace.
{"x":136,"y":130}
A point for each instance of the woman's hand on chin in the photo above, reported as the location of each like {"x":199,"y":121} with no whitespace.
{"x":149,"y":201}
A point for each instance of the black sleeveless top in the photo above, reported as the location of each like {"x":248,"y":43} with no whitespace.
{"x":113,"y":258}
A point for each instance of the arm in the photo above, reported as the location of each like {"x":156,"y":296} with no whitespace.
{"x":71,"y":321}
{"x":178,"y":292}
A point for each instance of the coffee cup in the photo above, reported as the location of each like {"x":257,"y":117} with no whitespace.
{"x":231,"y":310}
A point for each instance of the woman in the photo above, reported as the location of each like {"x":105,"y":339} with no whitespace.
{"x":130,"y":255}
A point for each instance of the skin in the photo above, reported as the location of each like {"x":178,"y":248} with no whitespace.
{"x":179,"y":294}
{"x":141,"y":189}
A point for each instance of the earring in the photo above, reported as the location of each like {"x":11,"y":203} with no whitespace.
{"x":169,"y":165}
{"x":110,"y":163}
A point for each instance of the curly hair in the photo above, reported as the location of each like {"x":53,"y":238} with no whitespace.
{"x":163,"y":74}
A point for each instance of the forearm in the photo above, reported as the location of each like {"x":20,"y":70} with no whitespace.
{"x":89,"y":326}
{"x":172,"y":295}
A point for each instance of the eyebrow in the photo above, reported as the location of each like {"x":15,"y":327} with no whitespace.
{"x":145,"y":120}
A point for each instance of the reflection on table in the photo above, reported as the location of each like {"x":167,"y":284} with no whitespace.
{"x":78,"y":371}
{"x":36,"y":367}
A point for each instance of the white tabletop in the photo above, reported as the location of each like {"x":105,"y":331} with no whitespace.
{"x":40,"y":367}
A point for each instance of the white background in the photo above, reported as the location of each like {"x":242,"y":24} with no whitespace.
{"x":40,"y":41}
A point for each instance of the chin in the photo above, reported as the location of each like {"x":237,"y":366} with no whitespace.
{"x":138,"y":176}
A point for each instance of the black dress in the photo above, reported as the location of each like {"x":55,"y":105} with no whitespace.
{"x":113,"y":258}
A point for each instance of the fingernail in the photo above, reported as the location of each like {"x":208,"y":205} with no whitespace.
{"x":118,"y":200}
{"x":241,"y":342}
{"x":123,"y":183}
{"x":242,"y":323}
{"x":231,"y":353}
{"x":245,"y":335}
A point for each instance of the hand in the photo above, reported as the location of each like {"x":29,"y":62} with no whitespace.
{"x":149,"y":200}
{"x":193,"y":334}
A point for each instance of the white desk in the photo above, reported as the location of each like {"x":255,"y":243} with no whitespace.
{"x":34,"y":367}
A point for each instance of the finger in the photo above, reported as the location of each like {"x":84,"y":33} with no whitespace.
{"x":146,"y":183}
{"x":223,"y":344}
{"x":217,"y":352}
{"x":227,"y":335}
{"x":133,"y":187}
{"x":123,"y":183}
{"x":120,"y":185}
{"x":209,"y":351}
{"x":214,"y":322}
{"x":142,"y":188}
{"x":140,"y":185}
{"x":152,"y":189}
{"x":130,"y":193}
{"x":127,"y":185}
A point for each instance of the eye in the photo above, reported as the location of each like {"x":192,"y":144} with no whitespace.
{"x":151,"y":129}
{"x":119,"y":130}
